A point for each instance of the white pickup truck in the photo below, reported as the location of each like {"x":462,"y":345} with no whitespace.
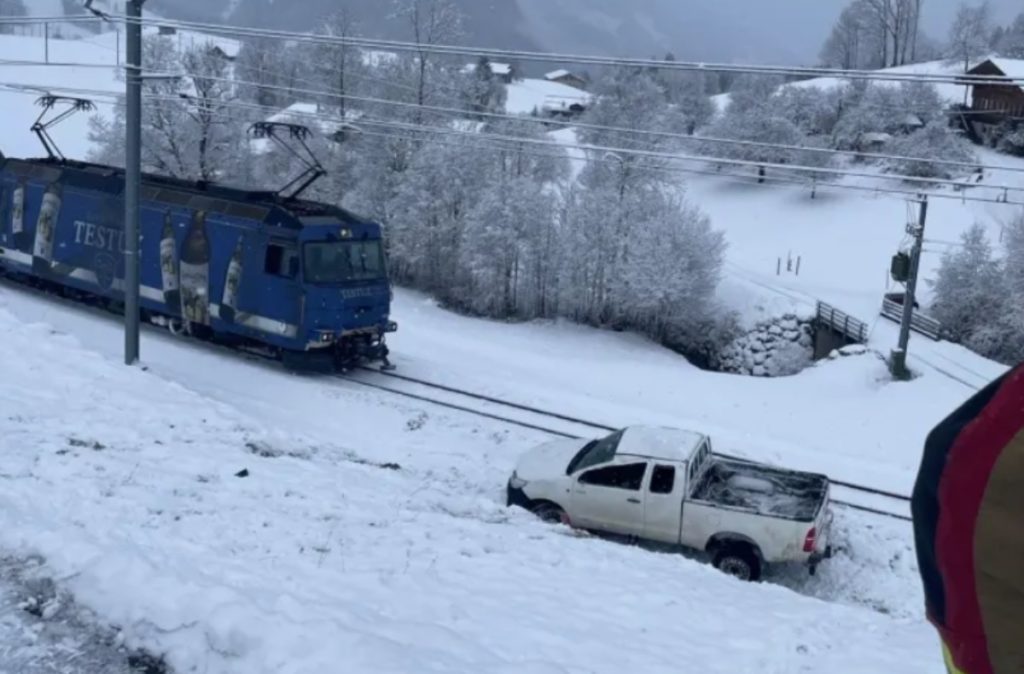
{"x":665,"y":486}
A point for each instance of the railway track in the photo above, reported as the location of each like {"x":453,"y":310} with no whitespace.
{"x":858,"y":497}
{"x":847,"y":494}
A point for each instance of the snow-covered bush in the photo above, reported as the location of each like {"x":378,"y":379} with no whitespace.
{"x":884,"y":108}
{"x":813,"y":110}
{"x":758,"y":124}
{"x":1012,"y":141}
{"x":936,"y":141}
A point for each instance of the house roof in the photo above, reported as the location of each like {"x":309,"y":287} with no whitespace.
{"x":496,"y":68}
{"x":1011,"y":68}
{"x":555,"y":74}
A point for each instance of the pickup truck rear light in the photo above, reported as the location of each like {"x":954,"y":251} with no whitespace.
{"x":810,"y":539}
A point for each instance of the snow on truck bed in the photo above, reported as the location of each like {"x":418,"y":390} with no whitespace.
{"x":234,"y":546}
{"x":776,"y":493}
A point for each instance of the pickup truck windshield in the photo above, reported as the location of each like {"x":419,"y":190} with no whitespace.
{"x":595,"y":452}
{"x":343,"y":261}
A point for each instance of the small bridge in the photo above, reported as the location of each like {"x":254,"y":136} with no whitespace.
{"x":836,"y":329}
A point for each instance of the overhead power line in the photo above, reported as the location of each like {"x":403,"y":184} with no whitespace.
{"x":664,"y":154}
{"x":509,"y":145}
{"x":571,"y":124}
{"x":544,"y":57}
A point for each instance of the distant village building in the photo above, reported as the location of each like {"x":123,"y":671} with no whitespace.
{"x":226,"y":48}
{"x":995,"y":103}
{"x":567,"y":78}
{"x":504,"y":72}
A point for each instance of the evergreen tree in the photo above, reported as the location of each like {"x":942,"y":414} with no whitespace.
{"x":969,"y":289}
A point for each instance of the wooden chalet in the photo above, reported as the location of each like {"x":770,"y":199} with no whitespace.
{"x":994,"y":103}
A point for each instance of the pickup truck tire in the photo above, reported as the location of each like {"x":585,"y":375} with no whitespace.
{"x":739,"y":561}
{"x":549,"y":512}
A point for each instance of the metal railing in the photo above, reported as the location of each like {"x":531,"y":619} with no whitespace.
{"x":920,"y":323}
{"x":843,"y":323}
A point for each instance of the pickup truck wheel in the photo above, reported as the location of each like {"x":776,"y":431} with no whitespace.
{"x":549,"y":512}
{"x":739,"y":562}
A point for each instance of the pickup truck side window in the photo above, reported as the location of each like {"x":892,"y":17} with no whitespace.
{"x":628,"y":477}
{"x":663,"y":480}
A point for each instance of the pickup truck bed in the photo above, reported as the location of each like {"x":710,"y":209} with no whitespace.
{"x":767,"y":491}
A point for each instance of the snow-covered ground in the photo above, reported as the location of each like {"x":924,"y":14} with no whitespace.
{"x":527,"y":95}
{"x":43,"y":632}
{"x":240,"y":519}
{"x":949,"y":92}
{"x":23,"y":84}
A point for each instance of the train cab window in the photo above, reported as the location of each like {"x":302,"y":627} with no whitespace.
{"x":282,"y":261}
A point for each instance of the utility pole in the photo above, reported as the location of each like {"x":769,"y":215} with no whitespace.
{"x":899,"y":356}
{"x":133,"y":178}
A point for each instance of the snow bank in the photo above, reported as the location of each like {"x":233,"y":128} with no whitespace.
{"x":233,"y":547}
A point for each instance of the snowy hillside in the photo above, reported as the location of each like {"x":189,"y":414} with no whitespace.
{"x":950,"y":93}
{"x":324,"y":555}
{"x":23,"y":84}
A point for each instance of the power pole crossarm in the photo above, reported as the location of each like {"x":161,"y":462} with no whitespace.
{"x":899,"y":356}
{"x":133,"y":178}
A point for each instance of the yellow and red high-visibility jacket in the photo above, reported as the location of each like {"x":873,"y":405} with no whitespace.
{"x":968,"y":507}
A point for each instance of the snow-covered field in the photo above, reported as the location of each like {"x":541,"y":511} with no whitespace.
{"x":323,"y":557}
{"x":21,"y":85}
{"x":240,"y":519}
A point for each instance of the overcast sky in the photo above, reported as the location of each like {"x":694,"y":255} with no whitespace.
{"x":800,"y":26}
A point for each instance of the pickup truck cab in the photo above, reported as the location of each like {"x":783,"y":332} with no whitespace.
{"x":665,"y":486}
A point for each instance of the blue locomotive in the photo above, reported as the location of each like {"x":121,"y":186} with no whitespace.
{"x":306,"y":279}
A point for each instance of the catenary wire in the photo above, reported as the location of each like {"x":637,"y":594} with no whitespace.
{"x":662,"y":154}
{"x":523,"y":55}
{"x":477,"y":138}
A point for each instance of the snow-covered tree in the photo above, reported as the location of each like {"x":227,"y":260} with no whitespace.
{"x":935,"y":141}
{"x":431,"y":22}
{"x":970,"y":35}
{"x":1014,"y":243}
{"x":762,"y":123}
{"x":11,"y":8}
{"x":259,"y":63}
{"x":688,"y":93}
{"x":898,"y":24}
{"x":341,"y":65}
{"x":190,"y":131}
{"x":969,"y":288}
{"x":429,"y":210}
{"x":1011,"y":43}
{"x":977,"y":295}
{"x":506,"y":248}
{"x":673,"y":267}
{"x":813,"y":110}
{"x":851,"y":44}
{"x":484,"y":90}
{"x":752,"y":90}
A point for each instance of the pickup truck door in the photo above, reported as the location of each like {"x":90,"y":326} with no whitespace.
{"x":663,"y":507}
{"x":609,"y":498}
